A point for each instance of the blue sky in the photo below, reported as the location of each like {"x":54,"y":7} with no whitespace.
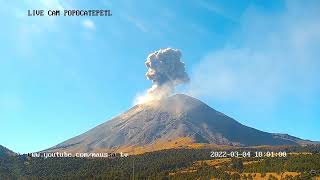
{"x":256,"y":61}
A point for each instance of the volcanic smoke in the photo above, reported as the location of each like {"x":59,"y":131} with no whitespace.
{"x":166,"y":71}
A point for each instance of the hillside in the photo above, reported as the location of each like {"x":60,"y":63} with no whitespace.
{"x":165,"y":164}
{"x":6,"y":152}
{"x":177,"y":121}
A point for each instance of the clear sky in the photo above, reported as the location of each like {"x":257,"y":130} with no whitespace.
{"x":256,"y":61}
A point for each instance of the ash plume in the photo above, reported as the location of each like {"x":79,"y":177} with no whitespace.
{"x":165,"y":70}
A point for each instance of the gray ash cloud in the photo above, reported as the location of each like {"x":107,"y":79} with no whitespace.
{"x":165,"y":66}
{"x":166,"y":71}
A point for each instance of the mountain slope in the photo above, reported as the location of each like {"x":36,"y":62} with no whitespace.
{"x":178,"y":120}
{"x":6,"y":152}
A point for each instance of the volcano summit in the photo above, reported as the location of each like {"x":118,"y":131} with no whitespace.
{"x":174,"y":122}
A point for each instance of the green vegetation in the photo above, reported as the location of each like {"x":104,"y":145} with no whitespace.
{"x":166,"y":164}
{"x":293,"y":163}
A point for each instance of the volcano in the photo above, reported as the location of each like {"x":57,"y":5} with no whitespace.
{"x":174,"y":122}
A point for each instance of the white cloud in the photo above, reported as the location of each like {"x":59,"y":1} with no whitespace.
{"x":89,"y":24}
{"x":272,"y":57}
{"x":138,"y":23}
{"x":215,"y":9}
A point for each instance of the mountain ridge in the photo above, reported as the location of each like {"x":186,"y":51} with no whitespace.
{"x":6,"y":152}
{"x":178,"y":118}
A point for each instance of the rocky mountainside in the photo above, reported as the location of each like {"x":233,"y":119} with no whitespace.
{"x":176,"y":121}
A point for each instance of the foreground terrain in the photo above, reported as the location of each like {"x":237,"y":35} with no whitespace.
{"x":299,"y":163}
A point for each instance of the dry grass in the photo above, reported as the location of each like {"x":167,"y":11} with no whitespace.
{"x":278,"y":176}
{"x":158,"y":145}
